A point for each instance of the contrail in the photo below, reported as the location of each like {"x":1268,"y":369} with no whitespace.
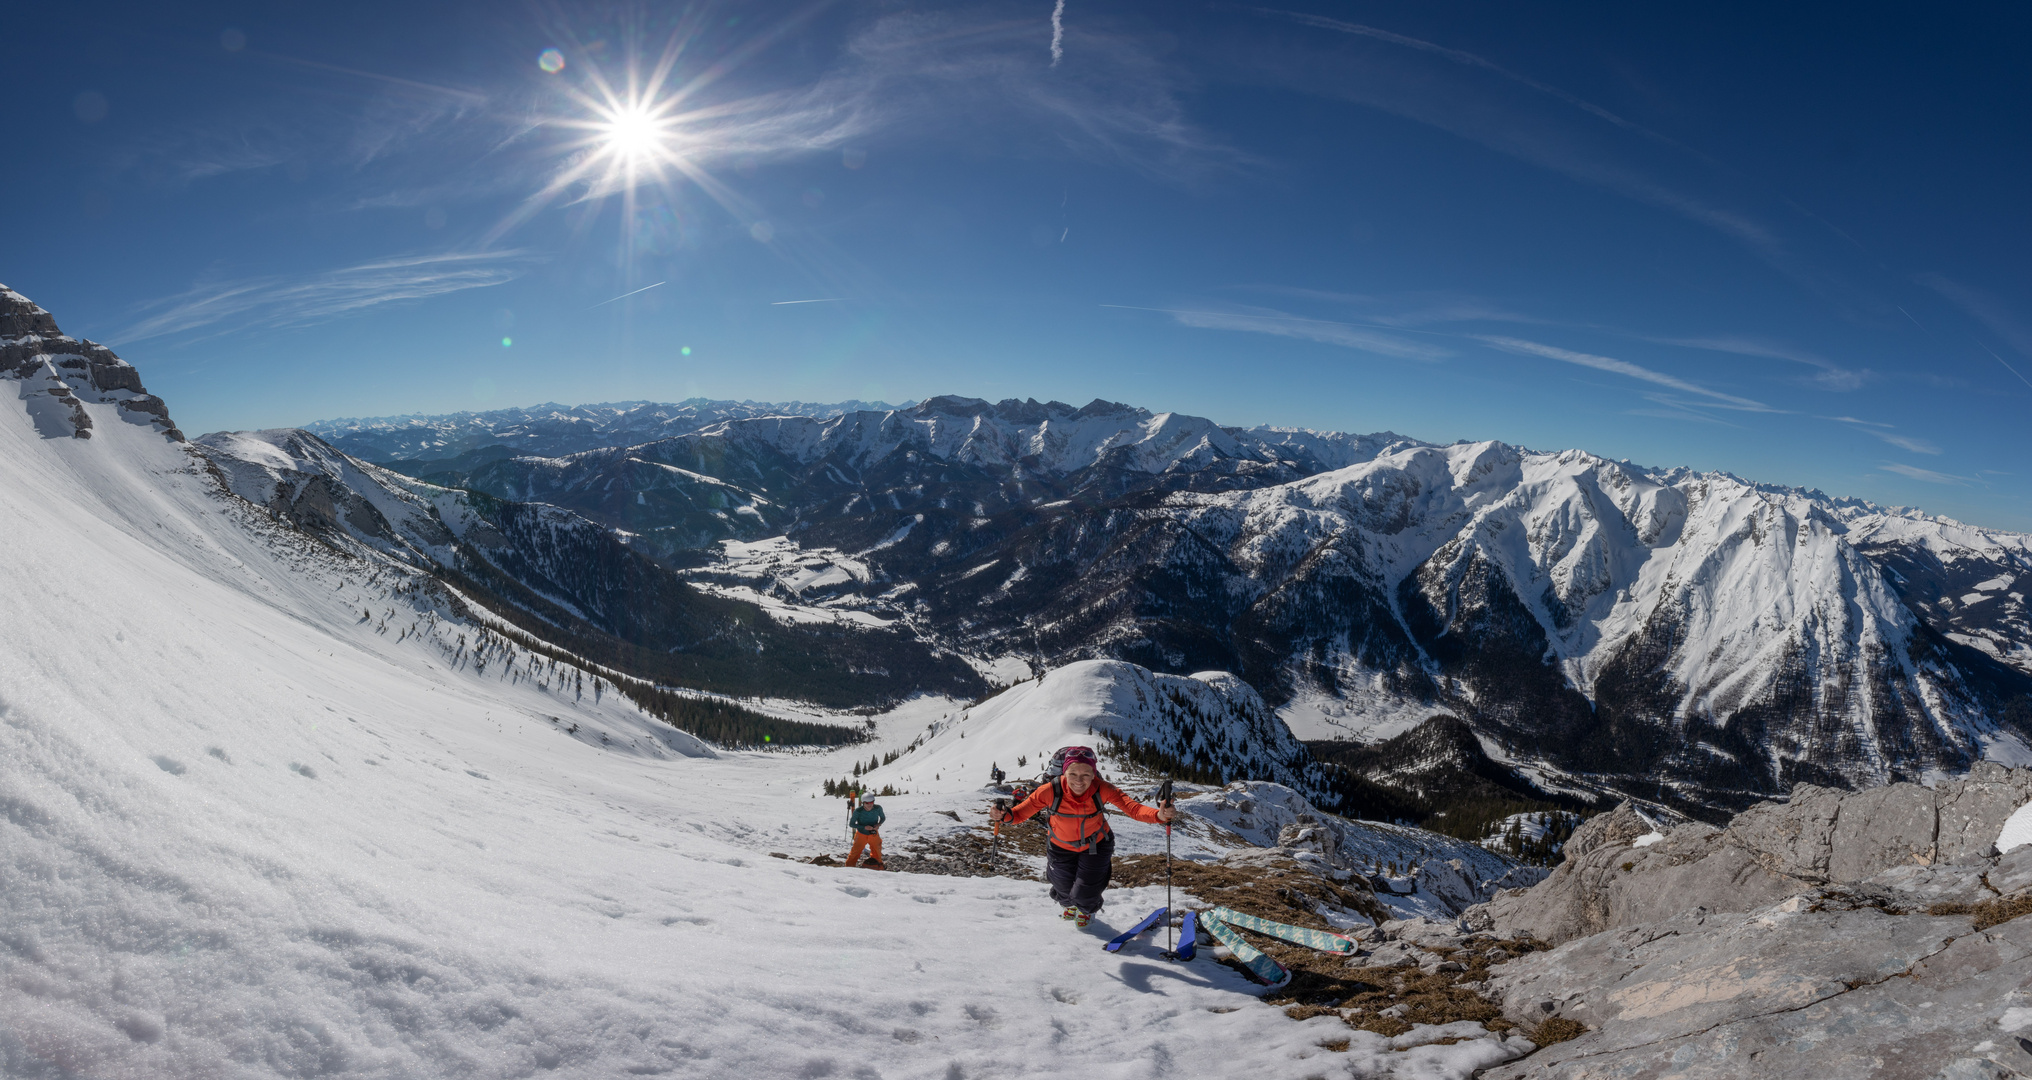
{"x":624,"y":296}
{"x":1058,"y":33}
{"x":2007,"y":367}
{"x":825,"y":300}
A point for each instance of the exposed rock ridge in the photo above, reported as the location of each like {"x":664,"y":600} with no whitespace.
{"x":1820,"y":837}
{"x":60,"y":374}
{"x":1901,"y":951}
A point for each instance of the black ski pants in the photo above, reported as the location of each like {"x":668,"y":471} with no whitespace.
{"x":1079,"y":877}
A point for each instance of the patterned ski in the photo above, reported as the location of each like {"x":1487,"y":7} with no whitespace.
{"x":1123,"y":938}
{"x":1261,"y":967}
{"x":1297,"y":935}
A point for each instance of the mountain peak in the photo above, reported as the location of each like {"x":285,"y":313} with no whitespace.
{"x":65,"y":374}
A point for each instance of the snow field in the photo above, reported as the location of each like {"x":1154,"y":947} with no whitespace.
{"x":248,"y":833}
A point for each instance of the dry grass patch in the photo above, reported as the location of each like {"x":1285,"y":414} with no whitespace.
{"x":1282,"y":891}
{"x":1388,"y":1001}
{"x":1988,"y":913}
{"x":1557,"y":1029}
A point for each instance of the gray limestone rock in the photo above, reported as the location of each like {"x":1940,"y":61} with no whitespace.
{"x":1920,"y":887}
{"x":1883,"y":836}
{"x":1614,"y":884}
{"x":1805,"y":988}
{"x":2013,"y":871}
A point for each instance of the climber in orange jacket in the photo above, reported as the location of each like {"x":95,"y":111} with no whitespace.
{"x":1080,"y":860}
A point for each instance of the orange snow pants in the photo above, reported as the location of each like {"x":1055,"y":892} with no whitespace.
{"x":869,"y":842}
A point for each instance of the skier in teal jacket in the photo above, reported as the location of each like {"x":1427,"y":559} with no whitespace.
{"x":867,"y":822}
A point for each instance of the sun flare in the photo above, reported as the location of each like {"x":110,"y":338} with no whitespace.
{"x":633,"y":134}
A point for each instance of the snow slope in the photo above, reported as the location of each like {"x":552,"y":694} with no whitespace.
{"x":266,"y":810}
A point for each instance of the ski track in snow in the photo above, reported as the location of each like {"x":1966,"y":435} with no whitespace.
{"x":247,"y":832}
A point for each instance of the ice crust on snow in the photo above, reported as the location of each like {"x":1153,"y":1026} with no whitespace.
{"x":266,"y":814}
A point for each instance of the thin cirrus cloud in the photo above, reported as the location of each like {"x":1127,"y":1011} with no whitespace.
{"x":1886,"y":433}
{"x":1282,"y":324}
{"x":1829,"y":375}
{"x":1710,"y":398}
{"x":1914,"y":472}
{"x":276,"y":302}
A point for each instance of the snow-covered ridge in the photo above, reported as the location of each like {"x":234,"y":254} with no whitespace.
{"x":1212,"y":720}
{"x":1729,"y":592}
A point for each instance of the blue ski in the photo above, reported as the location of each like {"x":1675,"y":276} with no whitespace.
{"x":1187,"y":937}
{"x":1123,"y":939}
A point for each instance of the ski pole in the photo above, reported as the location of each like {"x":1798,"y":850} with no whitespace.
{"x":995,"y":846}
{"x":1171,"y":943}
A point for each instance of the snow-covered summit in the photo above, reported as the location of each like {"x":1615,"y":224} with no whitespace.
{"x":1211,"y":721}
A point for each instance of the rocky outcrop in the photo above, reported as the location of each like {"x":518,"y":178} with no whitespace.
{"x":1819,"y":837}
{"x":61,"y":374}
{"x":1825,"y":984}
{"x":1839,"y":934}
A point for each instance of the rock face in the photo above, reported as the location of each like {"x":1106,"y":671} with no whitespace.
{"x":1810,"y":988}
{"x":1770,"y":852}
{"x":60,"y":374}
{"x":1868,"y":934}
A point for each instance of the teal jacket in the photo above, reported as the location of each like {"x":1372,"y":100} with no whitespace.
{"x":867,"y":819}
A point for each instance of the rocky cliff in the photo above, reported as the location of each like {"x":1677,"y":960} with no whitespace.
{"x":1875,"y":934}
{"x":59,"y":374}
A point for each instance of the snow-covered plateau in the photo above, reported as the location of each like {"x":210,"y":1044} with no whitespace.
{"x":275,"y":802}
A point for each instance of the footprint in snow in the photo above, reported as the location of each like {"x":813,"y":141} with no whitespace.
{"x":854,"y":890}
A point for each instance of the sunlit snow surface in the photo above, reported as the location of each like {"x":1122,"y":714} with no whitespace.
{"x":256,"y":820}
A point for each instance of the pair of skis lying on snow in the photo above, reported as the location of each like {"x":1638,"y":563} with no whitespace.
{"x":1222,"y":922}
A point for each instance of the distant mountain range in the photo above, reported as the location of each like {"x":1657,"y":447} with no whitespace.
{"x":549,"y":429}
{"x":1693,"y":638}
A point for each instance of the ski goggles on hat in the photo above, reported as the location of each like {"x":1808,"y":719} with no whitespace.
{"x":1079,"y":755}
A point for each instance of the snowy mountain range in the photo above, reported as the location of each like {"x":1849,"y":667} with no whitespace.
{"x":1690,"y":637}
{"x":549,"y":429}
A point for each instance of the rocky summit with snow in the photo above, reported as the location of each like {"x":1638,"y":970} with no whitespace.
{"x":472,"y":762}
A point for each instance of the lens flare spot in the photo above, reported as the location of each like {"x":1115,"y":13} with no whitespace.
{"x":507,"y":342}
{"x":762,"y":231}
{"x":551,"y":61}
{"x":686,"y":351}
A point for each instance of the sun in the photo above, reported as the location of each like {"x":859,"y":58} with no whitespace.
{"x":633,"y":134}
{"x":636,"y":130}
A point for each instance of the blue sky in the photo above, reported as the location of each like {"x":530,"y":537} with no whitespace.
{"x":1789,"y":244}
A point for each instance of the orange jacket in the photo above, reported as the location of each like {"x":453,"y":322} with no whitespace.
{"x":1079,"y":823}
